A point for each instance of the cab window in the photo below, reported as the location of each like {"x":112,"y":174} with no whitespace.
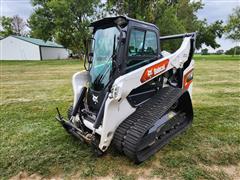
{"x":142,"y":48}
{"x":150,"y":45}
{"x":135,"y":47}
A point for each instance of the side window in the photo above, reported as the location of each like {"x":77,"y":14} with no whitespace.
{"x":142,"y":48}
{"x":136,"y":43}
{"x":150,"y":45}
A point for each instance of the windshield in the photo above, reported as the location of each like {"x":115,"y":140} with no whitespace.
{"x":102,"y":56}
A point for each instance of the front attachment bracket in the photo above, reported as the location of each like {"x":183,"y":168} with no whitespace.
{"x":72,"y":129}
{"x":87,"y":137}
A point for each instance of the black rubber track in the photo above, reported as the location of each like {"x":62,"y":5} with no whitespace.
{"x":131,"y":131}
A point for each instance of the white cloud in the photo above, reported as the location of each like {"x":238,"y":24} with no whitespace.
{"x":23,"y":8}
{"x":214,"y":10}
{"x":217,"y":9}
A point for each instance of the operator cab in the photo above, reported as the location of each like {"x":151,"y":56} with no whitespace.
{"x":119,"y":45}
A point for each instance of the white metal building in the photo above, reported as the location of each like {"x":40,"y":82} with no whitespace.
{"x":25,"y":48}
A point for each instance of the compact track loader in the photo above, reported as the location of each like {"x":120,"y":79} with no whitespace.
{"x":131,"y":95}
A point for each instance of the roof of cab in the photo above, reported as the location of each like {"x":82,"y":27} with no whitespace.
{"x":111,"y":21}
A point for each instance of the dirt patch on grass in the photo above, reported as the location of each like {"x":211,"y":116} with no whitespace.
{"x":232,"y":171}
{"x":142,"y":173}
{"x":25,"y":176}
{"x":139,"y":174}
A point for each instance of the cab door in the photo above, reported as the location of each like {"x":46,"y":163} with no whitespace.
{"x":142,"y":50}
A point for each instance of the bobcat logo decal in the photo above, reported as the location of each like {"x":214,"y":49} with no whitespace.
{"x":95,"y":99}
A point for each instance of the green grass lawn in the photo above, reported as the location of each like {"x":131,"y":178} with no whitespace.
{"x":32,"y":141}
{"x":216,"y":57}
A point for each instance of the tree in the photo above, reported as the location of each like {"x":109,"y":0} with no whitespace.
{"x":204,"y":51}
{"x":172,"y":17}
{"x":220,"y":51}
{"x":207,"y":34}
{"x":233,"y":26}
{"x":65,"y":21}
{"x":18,"y":25}
{"x":13,"y":26}
{"x":6,"y":26}
{"x":233,"y":51}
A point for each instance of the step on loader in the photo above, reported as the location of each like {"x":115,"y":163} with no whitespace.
{"x":132,"y":94}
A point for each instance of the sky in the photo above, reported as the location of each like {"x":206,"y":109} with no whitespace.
{"x":213,"y":10}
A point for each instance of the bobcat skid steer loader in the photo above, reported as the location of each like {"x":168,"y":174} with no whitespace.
{"x":131,"y":95}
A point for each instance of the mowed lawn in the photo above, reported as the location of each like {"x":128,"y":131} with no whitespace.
{"x":33,"y":144}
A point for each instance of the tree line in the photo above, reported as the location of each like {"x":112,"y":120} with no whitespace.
{"x":66,"y":21}
{"x":232,"y":51}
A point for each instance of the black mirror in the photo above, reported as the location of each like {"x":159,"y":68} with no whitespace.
{"x":90,"y":56}
{"x":90,"y":45}
{"x":90,"y":49}
{"x":89,"y":53}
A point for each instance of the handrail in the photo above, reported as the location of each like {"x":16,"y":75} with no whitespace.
{"x":178,"y":36}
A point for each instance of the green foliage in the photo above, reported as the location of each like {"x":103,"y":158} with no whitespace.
{"x":204,"y":51}
{"x":207,"y":34}
{"x":41,"y":22}
{"x":6,"y":26}
{"x":12,"y":26}
{"x":233,"y":51}
{"x":65,"y":21}
{"x":233,"y":25}
{"x":171,"y":17}
{"x":167,"y":28}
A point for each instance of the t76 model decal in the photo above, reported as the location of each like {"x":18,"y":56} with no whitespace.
{"x":154,"y":70}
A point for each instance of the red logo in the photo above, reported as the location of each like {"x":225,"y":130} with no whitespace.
{"x":154,"y":70}
{"x":188,"y":77}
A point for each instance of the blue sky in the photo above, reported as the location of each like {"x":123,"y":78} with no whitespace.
{"x":213,"y":10}
{"x":219,"y":9}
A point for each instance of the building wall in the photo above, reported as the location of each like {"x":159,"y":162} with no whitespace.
{"x":15,"y":49}
{"x":54,"y":53}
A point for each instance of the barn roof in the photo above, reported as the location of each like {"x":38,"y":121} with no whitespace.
{"x":39,"y":42}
